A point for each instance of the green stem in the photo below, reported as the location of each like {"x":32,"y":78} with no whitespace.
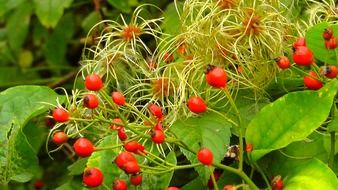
{"x":213,"y":179}
{"x":108,"y":147}
{"x":266,"y":180}
{"x":332,"y":150}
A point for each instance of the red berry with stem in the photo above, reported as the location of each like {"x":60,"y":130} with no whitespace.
{"x":122,"y":134}
{"x":123,"y":158}
{"x":216,"y":77}
{"x":92,"y":177}
{"x":136,"y":179}
{"x":205,"y":156}
{"x":173,"y":188}
{"x":117,"y":126}
{"x":131,"y":167}
{"x":93,"y":82}
{"x":327,"y":33}
{"x":157,"y":136}
{"x":120,"y":184}
{"x":38,"y":184}
{"x":229,"y":187}
{"x":60,"y":115}
{"x":91,"y":101}
{"x":60,"y":137}
{"x":277,"y":183}
{"x":330,"y":71}
{"x":303,"y":56}
{"x":118,"y":98}
{"x":299,"y":42}
{"x":196,"y":104}
{"x":283,"y":62}
{"x":331,"y":43}
{"x":83,"y":147}
{"x":156,"y":111}
{"x":131,"y":146}
{"x":312,"y":82}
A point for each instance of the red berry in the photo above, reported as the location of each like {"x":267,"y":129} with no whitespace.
{"x":91,"y":101}
{"x":140,"y":148}
{"x":120,"y":184}
{"x":115,"y":126}
{"x":168,"y":57}
{"x":303,"y":56}
{"x":38,"y":184}
{"x":283,"y":62}
{"x":136,"y":179}
{"x":93,"y":82}
{"x":327,"y":33}
{"x":216,"y":77}
{"x":118,"y":98}
{"x":92,"y":177}
{"x":60,"y":115}
{"x":330,"y":71}
{"x":173,"y":188}
{"x":131,"y":146}
{"x":217,"y":175}
{"x":228,"y":187}
{"x":49,"y":122}
{"x":299,"y":42}
{"x":122,"y":134}
{"x":205,"y":156}
{"x":123,"y":158}
{"x":248,"y":148}
{"x":331,"y":43}
{"x":157,"y":136}
{"x":311,"y":81}
{"x":131,"y":167}
{"x":277,"y":183}
{"x":158,"y":126}
{"x":196,"y":104}
{"x":156,"y":111}
{"x":83,"y":147}
{"x":60,"y":137}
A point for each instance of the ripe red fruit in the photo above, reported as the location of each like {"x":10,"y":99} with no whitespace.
{"x":216,"y":77}
{"x":205,"y":156}
{"x":122,"y":134}
{"x":158,"y":126}
{"x":131,"y":146}
{"x":331,"y":43}
{"x":157,"y":136}
{"x":92,"y":177}
{"x":118,"y":98}
{"x":303,"y":56}
{"x":277,"y":183}
{"x":156,"y":111}
{"x":93,"y":82}
{"x":299,"y":42}
{"x":131,"y":167}
{"x":123,"y":158}
{"x":168,"y":57}
{"x":248,"y":148}
{"x":228,"y":187}
{"x":173,"y":188}
{"x":91,"y":101}
{"x":60,"y":137}
{"x":140,"y":149}
{"x":38,"y":184}
{"x":217,"y":175}
{"x":120,"y":184}
{"x":60,"y":115}
{"x":196,"y":104}
{"x":115,"y":126}
{"x":283,"y":62}
{"x":136,"y":179}
{"x":327,"y":33}
{"x":83,"y":147}
{"x":330,"y":71}
{"x":311,"y":81}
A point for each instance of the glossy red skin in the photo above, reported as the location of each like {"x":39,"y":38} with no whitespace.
{"x":60,"y":137}
{"x":283,"y":62}
{"x":332,"y":72}
{"x":60,"y":115}
{"x":217,"y":77}
{"x":93,"y":82}
{"x":131,"y":167}
{"x":173,"y":188}
{"x":116,"y":127}
{"x":83,"y":147}
{"x":331,"y":43}
{"x":118,"y":98}
{"x":158,"y":126}
{"x":131,"y":146}
{"x":299,"y":42}
{"x":217,"y":175}
{"x":303,"y":56}
{"x":140,"y":149}
{"x":120,"y":184}
{"x":136,"y":179}
{"x":196,"y":104}
{"x":327,"y":33}
{"x":122,"y":134}
{"x":228,"y":187}
{"x":311,"y":81}
{"x":248,"y":148}
{"x":38,"y":184}
{"x":205,"y":156}
{"x":157,"y":136}
{"x":91,"y":101}
{"x":92,"y":177}
{"x":123,"y":158}
{"x":278,"y":185}
{"x":156,"y":111}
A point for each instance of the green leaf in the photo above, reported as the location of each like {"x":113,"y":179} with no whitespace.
{"x":18,"y":105}
{"x":121,"y":5}
{"x":208,"y":130}
{"x":49,"y":12}
{"x":7,"y":5}
{"x":17,"y":32}
{"x":315,"y":42}
{"x":90,"y":21}
{"x":35,"y":134}
{"x":78,"y":167}
{"x":290,"y":118}
{"x":171,"y":23}
{"x":194,"y":184}
{"x":333,"y":125}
